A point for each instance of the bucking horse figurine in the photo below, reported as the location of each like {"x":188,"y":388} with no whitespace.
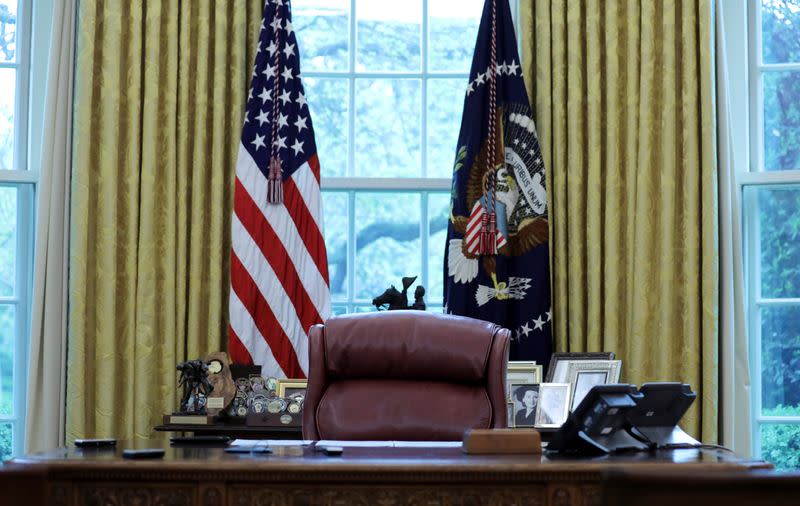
{"x":399,"y":300}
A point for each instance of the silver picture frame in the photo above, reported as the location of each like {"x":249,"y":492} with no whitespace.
{"x":557,"y":370}
{"x":582,"y":375}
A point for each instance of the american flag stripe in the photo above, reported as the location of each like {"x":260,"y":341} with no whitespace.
{"x":305,"y":221}
{"x":275,"y":254}
{"x":257,"y":285}
{"x":248,"y":337}
{"x":289,"y":236}
{"x":472,"y":238}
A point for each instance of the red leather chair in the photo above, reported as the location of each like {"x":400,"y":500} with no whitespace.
{"x":404,"y":376}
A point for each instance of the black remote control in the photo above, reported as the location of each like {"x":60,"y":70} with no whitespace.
{"x":145,"y":453}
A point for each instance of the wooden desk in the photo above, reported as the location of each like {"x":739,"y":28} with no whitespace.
{"x":297,"y":475}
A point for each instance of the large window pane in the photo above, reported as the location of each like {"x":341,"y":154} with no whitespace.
{"x":7,"y":344}
{"x":781,"y":120}
{"x":327,"y":102}
{"x":445,"y":105}
{"x":388,"y":128}
{"x":453,"y":29}
{"x":780,"y":23}
{"x":336,"y":218}
{"x":779,"y":233}
{"x":322,"y":28}
{"x":8,"y":240}
{"x":438,"y":213}
{"x":8,"y":30}
{"x":780,"y":444}
{"x":388,"y":35}
{"x":780,"y":360}
{"x":387,"y":241}
{"x":8,"y":86}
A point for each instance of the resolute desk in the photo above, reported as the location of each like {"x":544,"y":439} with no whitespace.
{"x":299,"y":475}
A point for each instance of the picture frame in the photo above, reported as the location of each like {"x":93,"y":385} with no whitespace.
{"x":557,"y":370}
{"x":522,"y":372}
{"x":287,"y":387}
{"x":584,"y":374}
{"x":525,"y":400}
{"x":553,"y":408}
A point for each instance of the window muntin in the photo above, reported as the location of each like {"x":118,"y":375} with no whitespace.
{"x":771,"y":222}
{"x":385,"y":84}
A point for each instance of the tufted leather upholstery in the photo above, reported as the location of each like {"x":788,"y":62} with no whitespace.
{"x":404,"y":375}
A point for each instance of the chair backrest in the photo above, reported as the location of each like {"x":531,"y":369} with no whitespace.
{"x":404,"y":375}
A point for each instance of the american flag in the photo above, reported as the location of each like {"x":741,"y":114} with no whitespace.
{"x":279,"y":268}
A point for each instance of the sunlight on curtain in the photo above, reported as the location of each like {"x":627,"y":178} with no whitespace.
{"x":623,"y":98}
{"x":159,"y":94}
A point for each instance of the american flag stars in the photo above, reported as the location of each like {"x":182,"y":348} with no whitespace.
{"x":277,"y":65}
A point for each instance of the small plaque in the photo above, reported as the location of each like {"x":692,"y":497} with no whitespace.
{"x":215,"y":402}
{"x":286,"y":419}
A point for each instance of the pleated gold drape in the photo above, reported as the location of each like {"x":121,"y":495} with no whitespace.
{"x":159,"y":94}
{"x":622,"y":91}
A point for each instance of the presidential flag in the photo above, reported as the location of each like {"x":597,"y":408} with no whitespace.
{"x":496,"y":264}
{"x":279,"y":268}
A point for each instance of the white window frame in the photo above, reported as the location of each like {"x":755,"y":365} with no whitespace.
{"x":23,"y":177}
{"x":424,"y":186}
{"x":746,"y":87}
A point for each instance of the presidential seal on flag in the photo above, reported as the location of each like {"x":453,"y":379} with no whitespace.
{"x":496,"y":256}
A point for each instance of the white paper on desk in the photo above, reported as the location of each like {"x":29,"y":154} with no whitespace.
{"x":390,"y":444}
{"x":353,"y":444}
{"x":428,"y":444}
{"x":269,"y":442}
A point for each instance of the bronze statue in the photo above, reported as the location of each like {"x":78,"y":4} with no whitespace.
{"x":196,"y":387}
{"x":395,"y":299}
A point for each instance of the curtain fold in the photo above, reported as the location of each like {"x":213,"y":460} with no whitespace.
{"x":159,"y":102}
{"x":735,"y":423}
{"x":45,"y":417}
{"x":623,"y":96}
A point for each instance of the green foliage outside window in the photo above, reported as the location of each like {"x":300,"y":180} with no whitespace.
{"x":779,"y":235}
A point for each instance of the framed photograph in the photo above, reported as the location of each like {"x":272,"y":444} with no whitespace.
{"x":557,"y":370}
{"x":525,"y":398}
{"x":522,"y":372}
{"x":287,"y":387}
{"x":584,"y":374}
{"x":553,"y":407}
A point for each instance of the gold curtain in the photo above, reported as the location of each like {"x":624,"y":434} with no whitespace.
{"x":159,"y":95}
{"x":622,"y":91}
